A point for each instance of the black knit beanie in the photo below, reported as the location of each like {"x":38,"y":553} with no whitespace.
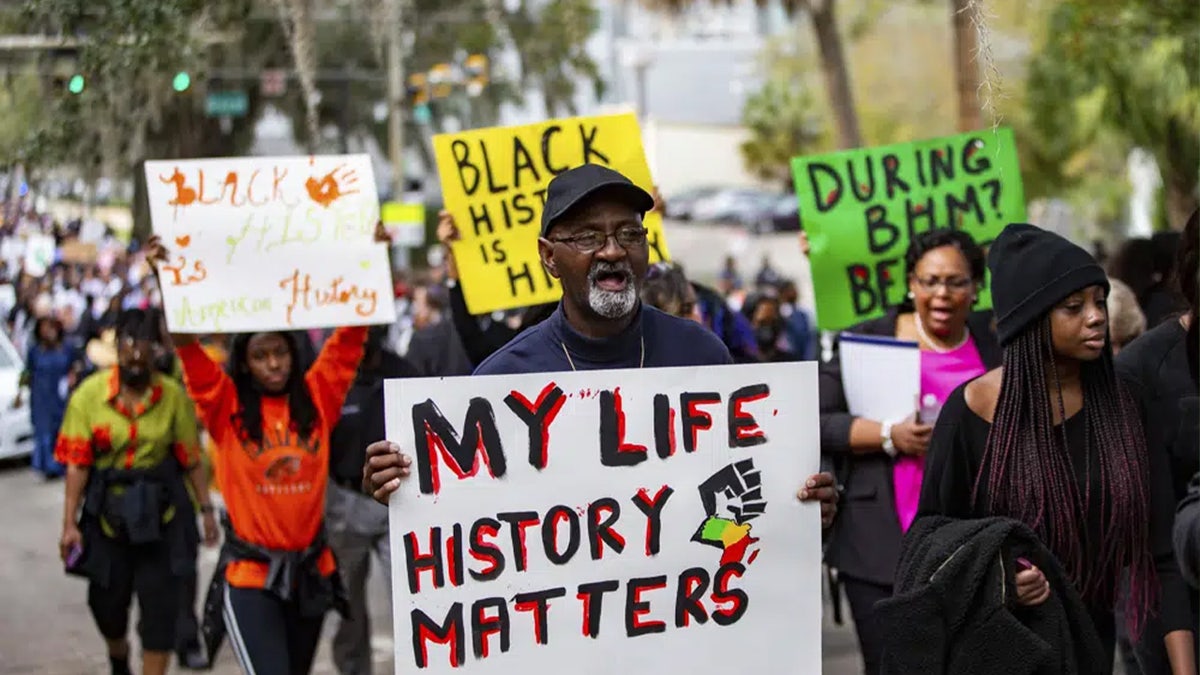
{"x":1032,"y":271}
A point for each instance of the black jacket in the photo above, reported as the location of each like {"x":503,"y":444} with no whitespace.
{"x":865,"y":540}
{"x":1187,"y":533}
{"x":954,"y":608}
{"x":362,"y":420}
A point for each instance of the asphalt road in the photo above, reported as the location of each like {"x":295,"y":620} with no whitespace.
{"x":45,"y":627}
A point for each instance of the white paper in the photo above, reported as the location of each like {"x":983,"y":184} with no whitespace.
{"x":881,"y":376}
{"x":779,"y":632}
{"x":270,"y":243}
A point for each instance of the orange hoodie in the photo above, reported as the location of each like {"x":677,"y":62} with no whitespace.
{"x":275,"y":492}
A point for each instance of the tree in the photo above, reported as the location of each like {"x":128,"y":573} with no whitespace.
{"x":782,"y":118}
{"x":128,"y":54}
{"x":823,"y":19}
{"x":1125,"y":68}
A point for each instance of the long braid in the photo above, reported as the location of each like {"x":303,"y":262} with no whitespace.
{"x":1027,"y":473}
{"x":1125,"y":500}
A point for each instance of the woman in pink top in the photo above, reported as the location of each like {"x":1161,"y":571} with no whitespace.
{"x":880,"y":462}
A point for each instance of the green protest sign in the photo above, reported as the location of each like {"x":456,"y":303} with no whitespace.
{"x":861,"y":207}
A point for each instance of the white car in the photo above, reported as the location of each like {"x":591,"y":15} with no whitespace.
{"x":16,"y":426}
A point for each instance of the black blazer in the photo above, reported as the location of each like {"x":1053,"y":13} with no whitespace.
{"x":865,"y":540}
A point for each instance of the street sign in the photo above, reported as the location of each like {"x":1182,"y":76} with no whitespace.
{"x":226,"y":104}
{"x":405,"y":222}
{"x":273,"y":82}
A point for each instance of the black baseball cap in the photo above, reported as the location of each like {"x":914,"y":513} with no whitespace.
{"x":571,"y":187}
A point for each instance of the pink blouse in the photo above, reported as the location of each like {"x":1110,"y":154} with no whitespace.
{"x":941,"y":373}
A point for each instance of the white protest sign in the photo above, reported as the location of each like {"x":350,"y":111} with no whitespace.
{"x":39,"y":254}
{"x":269,"y":243}
{"x":621,"y":521}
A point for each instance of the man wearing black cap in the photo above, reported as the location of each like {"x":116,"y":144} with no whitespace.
{"x":593,"y":241}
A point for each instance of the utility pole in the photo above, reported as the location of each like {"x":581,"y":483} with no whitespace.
{"x":396,"y":97}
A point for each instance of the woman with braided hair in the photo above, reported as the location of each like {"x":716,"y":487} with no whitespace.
{"x":1053,"y":440}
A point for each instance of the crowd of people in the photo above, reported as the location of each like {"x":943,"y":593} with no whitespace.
{"x":1056,"y":435}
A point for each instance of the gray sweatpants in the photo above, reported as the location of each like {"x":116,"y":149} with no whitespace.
{"x":357,"y":526}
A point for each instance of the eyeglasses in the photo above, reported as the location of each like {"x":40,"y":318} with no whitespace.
{"x":592,"y":240}
{"x":952,"y":285}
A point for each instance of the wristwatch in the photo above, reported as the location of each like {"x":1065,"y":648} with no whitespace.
{"x":886,"y":437}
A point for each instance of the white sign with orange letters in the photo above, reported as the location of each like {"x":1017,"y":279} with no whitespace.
{"x":622,"y":521}
{"x":269,"y":243}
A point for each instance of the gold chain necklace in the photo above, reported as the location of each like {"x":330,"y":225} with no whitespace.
{"x":929,"y":340}
{"x":641,"y":363}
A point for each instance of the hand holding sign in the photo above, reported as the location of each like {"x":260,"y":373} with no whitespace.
{"x":383,"y":470}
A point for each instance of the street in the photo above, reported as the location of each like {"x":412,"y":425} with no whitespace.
{"x":45,"y":628}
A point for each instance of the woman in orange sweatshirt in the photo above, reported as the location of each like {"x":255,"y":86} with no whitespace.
{"x":269,"y":421}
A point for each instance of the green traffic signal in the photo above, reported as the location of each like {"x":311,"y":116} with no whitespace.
{"x":182,"y":81}
{"x":75,"y":85}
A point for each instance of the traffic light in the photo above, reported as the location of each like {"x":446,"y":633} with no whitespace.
{"x":75,"y":84}
{"x":182,"y":81}
{"x":418,"y":88}
{"x":476,"y":70}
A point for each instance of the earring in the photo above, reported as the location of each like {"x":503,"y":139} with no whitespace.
{"x":910,"y":295}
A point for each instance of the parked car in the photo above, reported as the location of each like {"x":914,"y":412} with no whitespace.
{"x":679,"y":206}
{"x":734,"y":206}
{"x":783,"y":216}
{"x":16,"y":426}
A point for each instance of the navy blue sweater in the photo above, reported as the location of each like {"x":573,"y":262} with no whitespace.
{"x":670,"y":341}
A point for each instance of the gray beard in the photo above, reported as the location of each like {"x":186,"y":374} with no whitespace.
{"x":611,"y":304}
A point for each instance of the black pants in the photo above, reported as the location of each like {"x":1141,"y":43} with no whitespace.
{"x":862,"y":596}
{"x":187,"y":627}
{"x":269,"y":636}
{"x":144,"y":569}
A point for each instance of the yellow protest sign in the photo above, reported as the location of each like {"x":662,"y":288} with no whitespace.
{"x":494,"y":183}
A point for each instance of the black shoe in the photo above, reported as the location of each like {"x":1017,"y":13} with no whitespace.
{"x":193,"y":658}
{"x":119,"y":666}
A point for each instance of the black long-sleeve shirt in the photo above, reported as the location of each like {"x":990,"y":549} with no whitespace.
{"x":954,"y":460}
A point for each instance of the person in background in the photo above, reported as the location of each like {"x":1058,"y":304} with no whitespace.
{"x":767,"y":275}
{"x":481,"y":336}
{"x":667,"y":289}
{"x":1162,"y":379}
{"x":1052,"y":439}
{"x":1167,"y":305}
{"x":270,"y":419}
{"x":732,"y":327}
{"x":730,"y":279}
{"x":763,"y":310}
{"x":188,"y":649}
{"x":799,"y":327}
{"x":358,"y":526}
{"x":1141,"y":264}
{"x":51,"y":366}
{"x":128,"y":439}
{"x":880,"y":463}
{"x":1125,"y":315}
